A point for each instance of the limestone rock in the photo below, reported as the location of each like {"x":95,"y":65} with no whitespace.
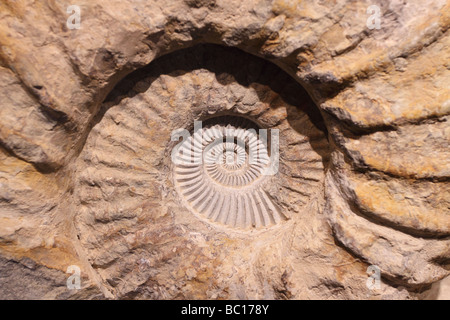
{"x":86,"y":177}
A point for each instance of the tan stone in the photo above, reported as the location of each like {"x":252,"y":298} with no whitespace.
{"x":85,"y":122}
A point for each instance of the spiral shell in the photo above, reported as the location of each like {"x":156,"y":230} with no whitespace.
{"x":220,"y":172}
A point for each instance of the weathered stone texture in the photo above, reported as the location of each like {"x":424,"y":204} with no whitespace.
{"x":85,"y":123}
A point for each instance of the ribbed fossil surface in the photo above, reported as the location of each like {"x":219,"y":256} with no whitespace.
{"x":139,"y":190}
{"x":87,"y":180}
{"x":220,"y":171}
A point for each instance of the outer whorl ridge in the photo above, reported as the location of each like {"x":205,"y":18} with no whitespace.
{"x":220,"y":171}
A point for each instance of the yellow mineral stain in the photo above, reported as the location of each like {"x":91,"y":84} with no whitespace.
{"x":19,"y":170}
{"x":58,"y":257}
{"x":379,"y":200}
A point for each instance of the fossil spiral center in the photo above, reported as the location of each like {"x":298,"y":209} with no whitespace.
{"x":220,"y":171}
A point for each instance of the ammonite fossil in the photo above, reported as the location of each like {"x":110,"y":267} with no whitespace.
{"x":224,"y":189}
{"x":87,"y":178}
{"x":220,"y":171}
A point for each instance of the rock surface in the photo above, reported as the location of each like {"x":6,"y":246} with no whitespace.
{"x":86,"y":177}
